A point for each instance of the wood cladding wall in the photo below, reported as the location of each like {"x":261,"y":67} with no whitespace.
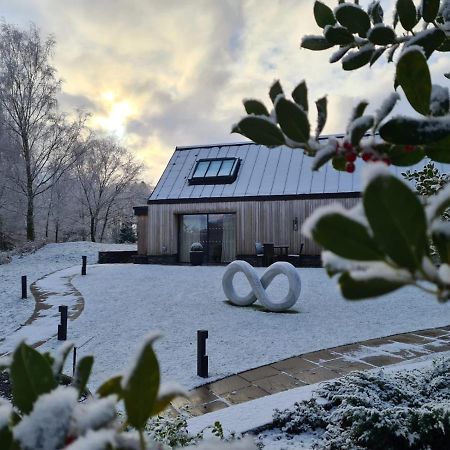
{"x":256,"y":221}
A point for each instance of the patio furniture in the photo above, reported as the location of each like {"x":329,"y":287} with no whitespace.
{"x":269,"y":254}
{"x":282,"y":251}
{"x":259,"y":250}
{"x":295,"y":258}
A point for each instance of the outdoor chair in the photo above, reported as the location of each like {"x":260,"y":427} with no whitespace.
{"x":259,"y":250}
{"x":295,"y":258}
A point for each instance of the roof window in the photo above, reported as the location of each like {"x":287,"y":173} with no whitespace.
{"x":215,"y":171}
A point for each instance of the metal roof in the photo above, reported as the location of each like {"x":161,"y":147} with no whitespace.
{"x":264,"y":172}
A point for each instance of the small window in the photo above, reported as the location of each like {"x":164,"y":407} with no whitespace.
{"x":215,"y":171}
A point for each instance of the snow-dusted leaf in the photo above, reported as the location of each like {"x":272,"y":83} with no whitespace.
{"x":111,"y":386}
{"x":31,"y":376}
{"x":338,"y":54}
{"x":316,"y":43}
{"x":275,"y":90}
{"x":400,"y":157}
{"x":82,"y":373}
{"x":97,"y":440}
{"x":429,"y":40}
{"x":140,"y":386}
{"x":376,"y":55}
{"x":413,"y":75}
{"x":353,"y":17}
{"x":407,"y":14}
{"x":323,"y":14}
{"x":409,"y":130}
{"x":94,"y":414}
{"x":260,"y":130}
{"x":300,"y":95}
{"x":438,"y":204}
{"x":6,"y":435}
{"x":255,"y":107}
{"x":366,"y":288}
{"x":358,"y":128}
{"x":396,"y":217}
{"x":293,"y":120}
{"x":338,"y":35}
{"x":375,"y":12}
{"x":323,"y":155}
{"x":357,"y":111}
{"x":447,"y":75}
{"x":381,"y":35}
{"x":386,"y":108}
{"x":60,"y":357}
{"x":333,"y":229}
{"x":322,"y":114}
{"x":439,"y":151}
{"x":441,"y":240}
{"x":439,"y":103}
{"x":358,"y":58}
{"x":391,"y":52}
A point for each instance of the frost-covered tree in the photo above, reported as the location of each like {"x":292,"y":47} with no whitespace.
{"x":428,"y":181}
{"x":382,"y":244}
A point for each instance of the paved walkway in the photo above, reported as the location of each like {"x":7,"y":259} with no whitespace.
{"x":312,"y":368}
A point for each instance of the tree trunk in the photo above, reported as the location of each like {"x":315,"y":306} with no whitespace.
{"x":30,"y":217}
{"x":56,"y":231}
{"x":105,"y":222}
{"x":93,"y":229}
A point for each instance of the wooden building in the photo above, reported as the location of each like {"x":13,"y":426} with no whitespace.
{"x":229,"y":197}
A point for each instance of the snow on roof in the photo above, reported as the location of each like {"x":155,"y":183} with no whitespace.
{"x":264,"y":172}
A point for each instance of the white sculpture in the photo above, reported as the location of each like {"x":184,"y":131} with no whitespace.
{"x":259,"y":286}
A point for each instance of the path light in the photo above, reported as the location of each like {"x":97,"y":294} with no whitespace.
{"x":74,"y":361}
{"x":24,"y":286}
{"x":62,"y":327}
{"x":202,"y":358}
{"x":83,"y":266}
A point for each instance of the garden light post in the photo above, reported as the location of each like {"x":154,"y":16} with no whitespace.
{"x":83,"y":266}
{"x":202,"y":358}
{"x":24,"y":286}
{"x":62,"y":327}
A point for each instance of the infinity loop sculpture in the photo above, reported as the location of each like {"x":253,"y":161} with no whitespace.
{"x":259,"y":286}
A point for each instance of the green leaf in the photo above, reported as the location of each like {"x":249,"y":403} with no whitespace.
{"x":397,"y":219}
{"x":447,"y":75}
{"x":315,"y":43}
{"x":430,"y":9}
{"x":381,"y":35}
{"x":376,"y":54}
{"x":445,"y":46}
{"x":339,"y":163}
{"x":439,"y":151}
{"x":338,"y":35}
{"x":414,"y":77}
{"x":255,"y":107}
{"x":356,"y":59}
{"x":360,"y":289}
{"x":82,"y":373}
{"x":345,"y":237}
{"x":61,"y":356}
{"x":111,"y":386}
{"x":338,"y":54}
{"x":31,"y":376}
{"x":140,"y":389}
{"x":300,"y":95}
{"x":322,"y":114}
{"x":409,"y":130}
{"x":357,"y":111}
{"x":442,"y":243}
{"x":430,"y":40}
{"x":293,"y":120}
{"x":323,"y":14}
{"x":260,"y":130}
{"x":359,"y":128}
{"x":407,"y":14}
{"x":354,"y":18}
{"x":440,"y":102}
{"x":375,"y":12}
{"x":275,"y":90}
{"x":6,"y":438}
{"x":165,"y":396}
{"x":399,"y":157}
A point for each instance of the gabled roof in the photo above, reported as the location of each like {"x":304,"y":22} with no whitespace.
{"x":264,"y":172}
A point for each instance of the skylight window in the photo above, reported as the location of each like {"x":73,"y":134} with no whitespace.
{"x":215,"y":171}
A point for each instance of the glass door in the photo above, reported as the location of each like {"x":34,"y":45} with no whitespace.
{"x":193,"y":228}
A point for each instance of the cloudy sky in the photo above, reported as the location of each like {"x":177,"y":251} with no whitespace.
{"x":162,"y":73}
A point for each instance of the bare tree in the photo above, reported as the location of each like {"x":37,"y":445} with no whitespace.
{"x":104,"y":172}
{"x":47,"y":141}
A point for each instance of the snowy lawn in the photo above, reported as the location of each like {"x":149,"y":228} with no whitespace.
{"x":125,"y":302}
{"x":15,"y":311}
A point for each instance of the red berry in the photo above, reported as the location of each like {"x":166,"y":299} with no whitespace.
{"x":349,"y":167}
{"x":408,"y":148}
{"x":69,"y":439}
{"x":347,"y":146}
{"x":387,"y":161}
{"x":350,"y":157}
{"x":366,"y":156}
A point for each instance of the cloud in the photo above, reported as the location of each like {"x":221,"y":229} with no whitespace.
{"x":163,"y":73}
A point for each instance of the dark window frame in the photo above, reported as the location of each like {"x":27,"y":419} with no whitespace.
{"x":216,"y":179}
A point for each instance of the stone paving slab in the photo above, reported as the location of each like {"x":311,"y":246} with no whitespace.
{"x":311,"y":368}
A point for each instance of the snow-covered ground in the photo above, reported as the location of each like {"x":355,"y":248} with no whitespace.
{"x":14,"y":311}
{"x":125,"y":302}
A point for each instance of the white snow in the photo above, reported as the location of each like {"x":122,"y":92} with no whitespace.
{"x":125,"y":302}
{"x":93,"y":414}
{"x":94,"y":440}
{"x":52,"y":257}
{"x":374,"y":170}
{"x":387,"y":106}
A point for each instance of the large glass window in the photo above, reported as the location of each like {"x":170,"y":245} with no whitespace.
{"x":215,"y":171}
{"x":216,"y":232}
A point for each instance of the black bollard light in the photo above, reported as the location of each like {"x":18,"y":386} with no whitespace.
{"x":83,"y":266}
{"x":24,"y":286}
{"x":74,"y":361}
{"x":62,"y":327}
{"x":202,"y":358}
